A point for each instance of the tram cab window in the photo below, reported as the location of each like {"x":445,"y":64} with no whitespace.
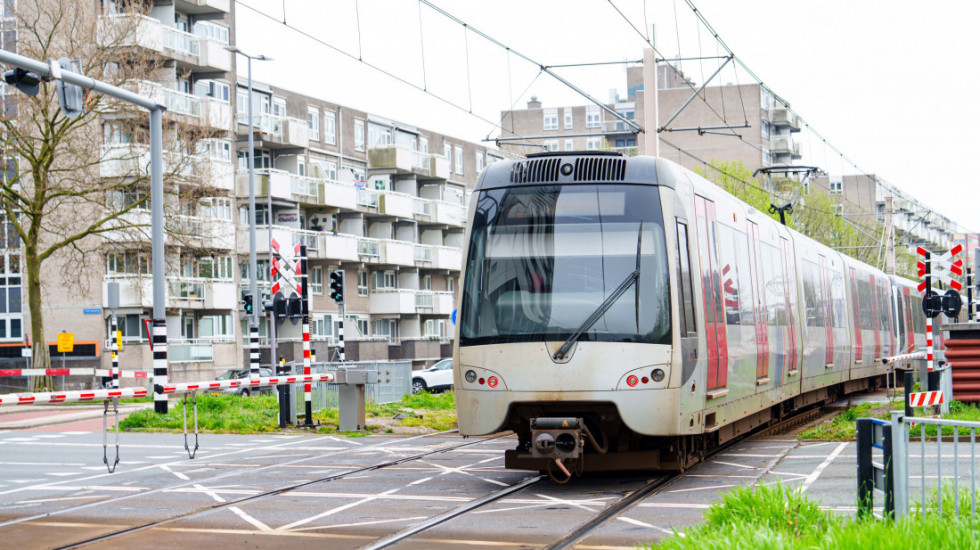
{"x":542,"y":259}
{"x":686,"y":295}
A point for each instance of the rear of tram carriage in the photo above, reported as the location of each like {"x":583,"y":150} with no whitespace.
{"x":566,"y":331}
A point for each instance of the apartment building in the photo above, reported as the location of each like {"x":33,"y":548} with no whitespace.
{"x":763,"y":133}
{"x":381,"y":199}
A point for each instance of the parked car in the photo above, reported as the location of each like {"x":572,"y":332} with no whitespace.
{"x":438,"y":377}
{"x":233,"y":374}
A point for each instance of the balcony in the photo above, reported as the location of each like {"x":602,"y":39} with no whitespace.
{"x":404,"y":160}
{"x":399,"y":205}
{"x":133,"y":161}
{"x":434,"y":302}
{"x":616,"y":127}
{"x":136,"y":291}
{"x":203,"y":6}
{"x":782,"y":117}
{"x":400,"y":301}
{"x":200,"y":231}
{"x":398,"y":252}
{"x":785,"y":145}
{"x":194,"y":53}
{"x":448,"y":213}
{"x":190,"y":351}
{"x":275,"y":132}
{"x":447,"y":257}
{"x":340,"y":247}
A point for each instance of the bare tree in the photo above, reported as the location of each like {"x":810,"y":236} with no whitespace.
{"x":74,"y":186}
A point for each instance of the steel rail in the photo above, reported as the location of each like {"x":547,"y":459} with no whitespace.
{"x":209,"y":479}
{"x":271,"y":493}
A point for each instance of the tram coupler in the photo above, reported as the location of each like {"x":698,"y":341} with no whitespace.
{"x":556,"y":438}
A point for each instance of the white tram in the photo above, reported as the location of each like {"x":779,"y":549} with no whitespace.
{"x":625,"y":313}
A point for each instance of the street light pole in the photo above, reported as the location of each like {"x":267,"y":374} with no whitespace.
{"x":252,"y":259}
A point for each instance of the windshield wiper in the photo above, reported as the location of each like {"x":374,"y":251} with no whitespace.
{"x":597,"y":314}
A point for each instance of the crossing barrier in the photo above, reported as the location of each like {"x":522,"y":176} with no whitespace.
{"x":926,"y":399}
{"x":73,"y":372}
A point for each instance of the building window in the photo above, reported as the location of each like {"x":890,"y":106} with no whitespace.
{"x":316,"y":280}
{"x":766,"y":102}
{"x":362,"y":283}
{"x":211,"y":31}
{"x":116,"y":263}
{"x":569,"y":144}
{"x":313,"y":122}
{"x":326,"y":169}
{"x":766,"y":157}
{"x":434,"y":328}
{"x":592,"y":143}
{"x":880,"y":212}
{"x":387,"y":328}
{"x":384,"y":280}
{"x":451,"y":284}
{"x":321,"y":326}
{"x":551,"y":144}
{"x":479,"y":161}
{"x":424,"y":145}
{"x":568,"y":118}
{"x":129,"y":198}
{"x":593,"y":117}
{"x":132,"y":328}
{"x":359,"y":135}
{"x":765,"y":129}
{"x":459,"y":160}
{"x":329,"y":128}
{"x":838,"y":209}
{"x":836,"y":187}
{"x":213,"y":89}
{"x":550,"y":119}
{"x":378,"y":136}
{"x":427,"y":282}
{"x":216,"y":327}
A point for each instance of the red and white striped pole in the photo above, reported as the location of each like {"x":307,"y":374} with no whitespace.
{"x":929,"y":361}
{"x":304,"y":296}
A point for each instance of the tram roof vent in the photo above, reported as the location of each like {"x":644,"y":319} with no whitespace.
{"x":600,"y":169}
{"x":535,"y":170}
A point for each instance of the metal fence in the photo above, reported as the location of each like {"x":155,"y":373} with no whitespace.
{"x":394,"y":382}
{"x":947,"y":453}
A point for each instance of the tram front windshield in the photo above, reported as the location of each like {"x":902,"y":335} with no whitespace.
{"x":542,"y":259}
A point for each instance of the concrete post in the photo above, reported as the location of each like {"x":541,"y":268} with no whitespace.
{"x":651,"y":104}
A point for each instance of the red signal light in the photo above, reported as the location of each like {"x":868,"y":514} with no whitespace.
{"x":492,"y":381}
{"x":632,"y":380}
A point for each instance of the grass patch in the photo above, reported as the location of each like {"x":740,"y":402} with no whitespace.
{"x":216,"y":413}
{"x":776,"y":517}
{"x":844,"y":428}
{"x":431,"y":411}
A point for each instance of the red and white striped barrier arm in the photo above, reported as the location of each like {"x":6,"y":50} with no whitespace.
{"x":904,"y":357}
{"x":72,"y":372}
{"x":70,"y":396}
{"x":926,"y":398}
{"x":167,"y":389}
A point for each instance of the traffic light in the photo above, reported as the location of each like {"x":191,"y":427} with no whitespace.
{"x":294,"y":307}
{"x":71,"y":97}
{"x":247,"y":301}
{"x":337,"y":285}
{"x":24,"y":80}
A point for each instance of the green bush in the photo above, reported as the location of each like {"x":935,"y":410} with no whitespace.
{"x":215,"y":413}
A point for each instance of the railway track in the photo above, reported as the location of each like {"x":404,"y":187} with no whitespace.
{"x":273,"y":492}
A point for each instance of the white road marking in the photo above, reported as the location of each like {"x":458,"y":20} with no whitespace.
{"x":166,"y":468}
{"x":67,"y":464}
{"x":735,"y":465}
{"x":823,"y":465}
{"x":639,"y":523}
{"x":701,"y":488}
{"x":49,"y":436}
{"x":258,"y":524}
{"x":39,"y":500}
{"x":337,"y":510}
{"x":64,"y":474}
{"x":359,"y":524}
{"x":419,"y":481}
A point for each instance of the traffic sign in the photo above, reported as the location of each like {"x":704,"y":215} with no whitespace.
{"x":66,"y":342}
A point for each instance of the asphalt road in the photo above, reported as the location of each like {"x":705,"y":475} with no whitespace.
{"x":55,"y":491}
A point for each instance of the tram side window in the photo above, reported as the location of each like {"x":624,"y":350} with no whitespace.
{"x":686,"y":324}
{"x":883,"y":309}
{"x":728,"y":264}
{"x":772,"y":277}
{"x":918,"y":318}
{"x":837,"y":299}
{"x":745,"y":278}
{"x":864,"y":289}
{"x":813,"y":295}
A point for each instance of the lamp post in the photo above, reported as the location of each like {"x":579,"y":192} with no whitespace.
{"x":252,"y":260}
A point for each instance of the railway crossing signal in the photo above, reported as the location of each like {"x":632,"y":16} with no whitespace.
{"x":934,"y":303}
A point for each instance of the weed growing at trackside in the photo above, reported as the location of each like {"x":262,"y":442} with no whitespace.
{"x":777,"y":517}
{"x":843,"y":427}
{"x":216,"y":413}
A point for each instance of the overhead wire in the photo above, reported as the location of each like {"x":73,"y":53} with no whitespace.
{"x":389,"y":74}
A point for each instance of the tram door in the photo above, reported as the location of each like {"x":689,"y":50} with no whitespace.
{"x":856,"y":305}
{"x":714,"y":315}
{"x":760,"y":306}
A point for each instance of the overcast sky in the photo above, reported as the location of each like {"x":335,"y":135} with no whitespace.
{"x":893,"y":85}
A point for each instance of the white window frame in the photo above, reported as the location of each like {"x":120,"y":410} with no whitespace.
{"x":836,"y":188}
{"x":479,"y":161}
{"x":766,"y":157}
{"x":569,"y":144}
{"x":362,"y":283}
{"x":549,"y":118}
{"x":593,"y":117}
{"x":424,"y":145}
{"x":593,"y":143}
{"x":313,"y":122}
{"x":551,"y":144}
{"x":569,"y":120}
{"x":316,"y":280}
{"x":359,"y":135}
{"x":458,"y":165}
{"x":329,"y":128}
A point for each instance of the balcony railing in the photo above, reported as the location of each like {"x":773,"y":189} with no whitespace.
{"x":186,"y":291}
{"x":423,"y":300}
{"x":265,"y":122}
{"x":423,"y":253}
{"x":190,"y":351}
{"x":181,"y":42}
{"x":367,"y":198}
{"x":368,"y":247}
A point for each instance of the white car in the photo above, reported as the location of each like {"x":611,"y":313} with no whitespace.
{"x":435,"y":378}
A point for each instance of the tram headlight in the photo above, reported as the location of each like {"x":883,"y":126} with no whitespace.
{"x":657,"y":375}
{"x":470,"y":376}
